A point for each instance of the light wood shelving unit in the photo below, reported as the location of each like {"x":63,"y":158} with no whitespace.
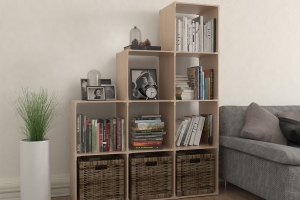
{"x":166,"y":105}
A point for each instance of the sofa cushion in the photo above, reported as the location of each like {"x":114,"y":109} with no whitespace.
{"x":274,"y":152}
{"x":290,"y":129}
{"x":292,"y":114}
{"x":262,"y":125}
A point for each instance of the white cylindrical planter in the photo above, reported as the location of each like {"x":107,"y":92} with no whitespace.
{"x":35,"y":170}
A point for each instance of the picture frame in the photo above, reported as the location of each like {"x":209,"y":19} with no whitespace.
{"x":95,"y":93}
{"x":140,"y":78}
{"x":83,"y":84}
{"x":110,"y":91}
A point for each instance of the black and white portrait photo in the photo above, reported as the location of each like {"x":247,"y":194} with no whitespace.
{"x":110,"y":92}
{"x":139,"y":79}
{"x":95,"y":93}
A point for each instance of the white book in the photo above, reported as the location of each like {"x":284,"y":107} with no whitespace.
{"x":204,"y":38}
{"x":179,"y":34}
{"x":187,"y":136}
{"x":199,"y":130}
{"x":201,"y":34}
{"x":179,"y":125}
{"x":190,"y":36}
{"x":208,"y":27}
{"x":183,"y":130}
{"x":197,"y":37}
{"x":193,"y":35}
{"x":184,"y":34}
{"x":194,"y":131}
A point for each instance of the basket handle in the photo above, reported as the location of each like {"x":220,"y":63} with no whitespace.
{"x":195,"y":160}
{"x":100,"y":167}
{"x":154,"y":163}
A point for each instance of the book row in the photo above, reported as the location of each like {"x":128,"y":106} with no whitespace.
{"x":195,"y":130}
{"x":147,"y":132}
{"x":99,"y":135}
{"x":194,"y":35}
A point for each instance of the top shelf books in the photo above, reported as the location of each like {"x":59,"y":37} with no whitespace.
{"x":168,"y":17}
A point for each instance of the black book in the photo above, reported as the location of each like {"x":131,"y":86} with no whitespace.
{"x":146,"y":147}
{"x":138,"y":47}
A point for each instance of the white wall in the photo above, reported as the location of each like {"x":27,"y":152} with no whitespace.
{"x":54,"y":43}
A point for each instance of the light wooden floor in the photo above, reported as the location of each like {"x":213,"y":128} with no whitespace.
{"x":231,"y":193}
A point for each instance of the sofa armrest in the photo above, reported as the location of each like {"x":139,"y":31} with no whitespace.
{"x":269,"y":151}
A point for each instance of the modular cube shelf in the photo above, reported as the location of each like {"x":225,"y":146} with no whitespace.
{"x":167,"y":106}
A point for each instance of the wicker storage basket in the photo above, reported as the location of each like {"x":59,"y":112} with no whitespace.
{"x":100,"y":177}
{"x":150,"y":176}
{"x":195,"y":173}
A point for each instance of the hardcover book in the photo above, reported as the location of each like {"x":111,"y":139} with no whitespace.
{"x":138,"y":47}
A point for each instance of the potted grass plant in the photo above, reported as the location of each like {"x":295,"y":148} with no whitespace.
{"x":37,"y":110}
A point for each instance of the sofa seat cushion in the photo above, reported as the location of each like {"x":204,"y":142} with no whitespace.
{"x":262,"y":125}
{"x":274,"y":152}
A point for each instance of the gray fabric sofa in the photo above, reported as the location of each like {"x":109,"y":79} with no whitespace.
{"x":271,"y":171}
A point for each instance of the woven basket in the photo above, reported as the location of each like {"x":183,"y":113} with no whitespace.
{"x":195,"y":173}
{"x":150,"y":176}
{"x":100,"y":177}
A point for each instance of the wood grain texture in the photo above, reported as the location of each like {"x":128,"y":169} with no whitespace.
{"x":230,"y":193}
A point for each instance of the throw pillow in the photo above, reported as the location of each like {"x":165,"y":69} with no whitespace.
{"x":262,"y":125}
{"x":290,"y":129}
{"x":293,"y":114}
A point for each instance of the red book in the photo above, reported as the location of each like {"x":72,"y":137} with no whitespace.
{"x":107,"y":135}
{"x":147,"y":143}
{"x":100,"y":126}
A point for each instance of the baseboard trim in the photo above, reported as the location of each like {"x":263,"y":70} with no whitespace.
{"x":10,"y":187}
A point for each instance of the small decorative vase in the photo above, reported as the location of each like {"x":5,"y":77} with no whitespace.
{"x":35,"y":170}
{"x":135,"y":36}
{"x":94,"y":78}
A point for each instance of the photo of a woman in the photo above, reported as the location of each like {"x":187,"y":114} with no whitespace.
{"x":95,"y":93}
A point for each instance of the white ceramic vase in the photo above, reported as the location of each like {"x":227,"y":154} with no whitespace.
{"x":35,"y":170}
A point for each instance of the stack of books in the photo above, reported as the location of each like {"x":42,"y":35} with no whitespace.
{"x":194,"y":130}
{"x":183,"y":90}
{"x":147,"y":132}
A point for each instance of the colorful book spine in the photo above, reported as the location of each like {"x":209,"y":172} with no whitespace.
{"x":90,"y":136}
{"x":111,"y":136}
{"x":114,"y":134}
{"x":100,"y":133}
{"x":107,"y":135}
{"x":87,"y":139}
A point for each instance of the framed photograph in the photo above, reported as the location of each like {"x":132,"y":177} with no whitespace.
{"x":106,"y":81}
{"x":140,"y":78}
{"x":83,"y":84}
{"x":95,"y":93}
{"x":110,"y":91}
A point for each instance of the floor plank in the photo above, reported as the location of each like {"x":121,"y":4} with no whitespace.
{"x":232,"y":192}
